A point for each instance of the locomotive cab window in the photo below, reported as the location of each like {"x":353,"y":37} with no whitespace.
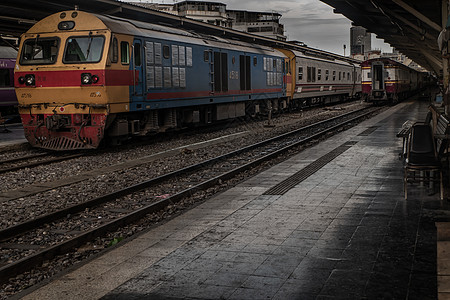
{"x":84,"y":49}
{"x":124,"y":53}
{"x":41,"y":51}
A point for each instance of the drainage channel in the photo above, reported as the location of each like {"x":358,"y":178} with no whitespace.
{"x":290,"y":182}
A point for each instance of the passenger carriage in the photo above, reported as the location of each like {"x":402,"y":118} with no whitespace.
{"x":385,"y":80}
{"x":321,"y":80}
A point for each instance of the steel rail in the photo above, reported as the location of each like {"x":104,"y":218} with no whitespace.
{"x":38,"y":163}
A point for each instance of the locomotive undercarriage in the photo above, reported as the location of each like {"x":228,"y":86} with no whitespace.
{"x":64,"y":131}
{"x":123,"y":126}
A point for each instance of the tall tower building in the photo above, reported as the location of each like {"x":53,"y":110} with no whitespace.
{"x":360,"y":40}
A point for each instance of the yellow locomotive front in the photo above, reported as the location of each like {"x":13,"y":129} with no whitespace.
{"x":65,"y":84}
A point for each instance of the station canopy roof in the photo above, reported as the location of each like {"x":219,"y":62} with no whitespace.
{"x":410,"y":26}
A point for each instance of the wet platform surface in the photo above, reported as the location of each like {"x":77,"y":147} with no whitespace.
{"x":342,"y":232}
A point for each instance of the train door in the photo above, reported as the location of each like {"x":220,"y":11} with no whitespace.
{"x":220,"y":73}
{"x":378,"y":77}
{"x":245,"y":72}
{"x":138,"y":65}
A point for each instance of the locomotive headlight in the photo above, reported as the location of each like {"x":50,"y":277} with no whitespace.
{"x":86,"y":78}
{"x":21,"y":80}
{"x":29,"y":79}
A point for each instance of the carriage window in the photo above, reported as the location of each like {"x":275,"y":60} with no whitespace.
{"x":326,"y":74}
{"x":41,"y":51}
{"x":348,"y":75}
{"x":82,"y":49}
{"x":339,"y":75}
{"x":5,"y":78}
{"x":319,"y":74}
{"x":343,"y":75}
{"x":300,"y":73}
{"x":166,"y":51}
{"x":124,"y":53}
{"x":334,"y":75}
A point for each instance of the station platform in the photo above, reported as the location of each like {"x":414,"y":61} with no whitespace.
{"x":12,"y":135}
{"x":343,"y":231}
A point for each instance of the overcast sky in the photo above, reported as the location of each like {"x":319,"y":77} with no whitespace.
{"x":310,"y":21}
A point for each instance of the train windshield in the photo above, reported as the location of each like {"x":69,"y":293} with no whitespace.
{"x":39,"y":51}
{"x":84,"y":49}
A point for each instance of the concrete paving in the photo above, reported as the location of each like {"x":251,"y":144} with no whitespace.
{"x":343,"y":232}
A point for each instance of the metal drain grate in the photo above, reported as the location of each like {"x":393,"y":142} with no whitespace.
{"x":369,"y":130}
{"x":289,"y":183}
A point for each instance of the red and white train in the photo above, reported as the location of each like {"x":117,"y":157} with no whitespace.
{"x":385,"y":80}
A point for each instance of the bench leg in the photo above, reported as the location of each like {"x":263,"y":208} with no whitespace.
{"x":405,"y":184}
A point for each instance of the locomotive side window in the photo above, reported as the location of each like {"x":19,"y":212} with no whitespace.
{"x":82,"y":49}
{"x":39,"y":51}
{"x":124,"y":53}
{"x":255,"y":61}
{"x":115,"y":51}
{"x":166,"y":51}
{"x":206,"y":55}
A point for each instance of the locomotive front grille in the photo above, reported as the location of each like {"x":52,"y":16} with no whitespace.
{"x":64,"y":143}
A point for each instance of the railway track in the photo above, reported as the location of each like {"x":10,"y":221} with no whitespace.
{"x":109,"y":212}
{"x":33,"y":160}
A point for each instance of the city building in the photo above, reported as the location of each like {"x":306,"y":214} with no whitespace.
{"x":360,"y":41}
{"x":266,"y":24}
